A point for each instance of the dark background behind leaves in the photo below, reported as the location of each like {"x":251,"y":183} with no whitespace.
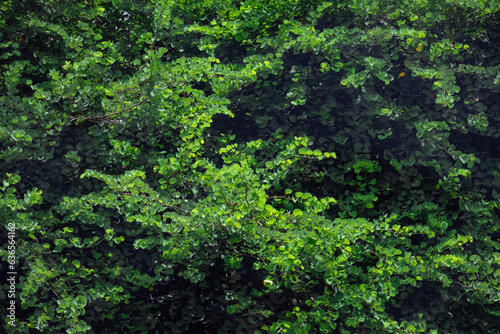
{"x":258,"y":166}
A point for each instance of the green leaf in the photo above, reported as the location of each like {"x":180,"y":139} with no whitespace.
{"x":76,"y":263}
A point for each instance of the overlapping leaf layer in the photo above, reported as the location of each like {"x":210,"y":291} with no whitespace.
{"x":281,"y":166}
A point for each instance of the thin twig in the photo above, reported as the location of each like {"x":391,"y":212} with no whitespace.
{"x":157,"y":200}
{"x":233,"y":208}
{"x":94,"y":118}
{"x":281,"y":197}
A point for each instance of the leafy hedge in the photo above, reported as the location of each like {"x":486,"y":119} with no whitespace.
{"x":282,"y":166}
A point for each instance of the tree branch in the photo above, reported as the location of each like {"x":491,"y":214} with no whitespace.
{"x":95,"y":118}
{"x":157,"y":200}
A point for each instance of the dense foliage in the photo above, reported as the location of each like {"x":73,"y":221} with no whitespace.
{"x":281,"y":166}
